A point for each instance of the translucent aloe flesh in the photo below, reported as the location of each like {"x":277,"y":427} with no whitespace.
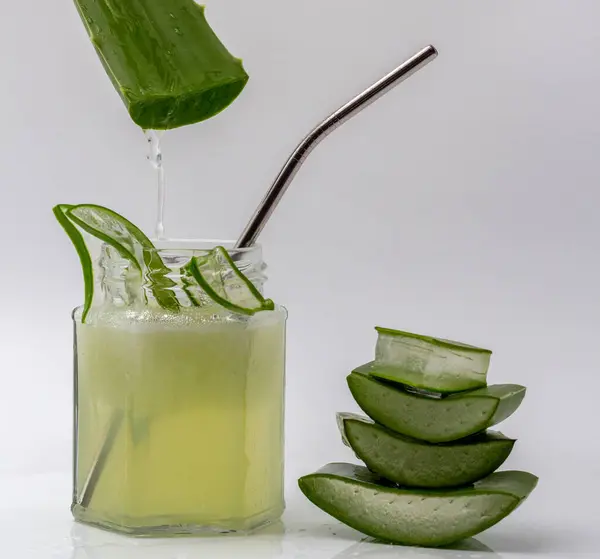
{"x":435,"y":420}
{"x":163,"y":58}
{"x":414,"y":463}
{"x":368,"y":503}
{"x":428,"y":363}
{"x":130,"y":242}
{"x":216,"y":276}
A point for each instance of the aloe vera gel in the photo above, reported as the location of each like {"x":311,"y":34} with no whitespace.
{"x":179,"y":384}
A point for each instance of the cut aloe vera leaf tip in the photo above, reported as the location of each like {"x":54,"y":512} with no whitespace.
{"x":173,"y":70}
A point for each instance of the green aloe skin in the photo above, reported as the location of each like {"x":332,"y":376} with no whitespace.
{"x":435,"y":420}
{"x":130,"y":242}
{"x":413,"y":463}
{"x":374,"y":506}
{"x":164,"y":60}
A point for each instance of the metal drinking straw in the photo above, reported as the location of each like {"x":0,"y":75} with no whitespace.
{"x":343,"y":114}
{"x":268,"y":205}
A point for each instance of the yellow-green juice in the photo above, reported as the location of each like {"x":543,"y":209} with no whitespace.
{"x":198,"y":408}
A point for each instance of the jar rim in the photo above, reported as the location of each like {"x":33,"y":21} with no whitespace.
{"x":195,"y":245}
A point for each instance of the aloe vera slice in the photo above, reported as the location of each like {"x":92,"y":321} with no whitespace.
{"x":131,"y":243}
{"x":164,"y":60}
{"x":370,"y":504}
{"x":414,"y":463}
{"x":113,"y":229}
{"x":87,"y":268}
{"x":428,"y":363}
{"x":216,"y":275}
{"x":435,"y":420}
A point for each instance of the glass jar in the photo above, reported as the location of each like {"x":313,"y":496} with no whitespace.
{"x":178,"y":410}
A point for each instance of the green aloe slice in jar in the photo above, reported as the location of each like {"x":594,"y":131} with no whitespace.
{"x":129,"y":241}
{"x":216,"y":276}
{"x":413,"y":463}
{"x":424,"y":517}
{"x":435,"y":420}
{"x":60,"y":212}
{"x":211,"y":278}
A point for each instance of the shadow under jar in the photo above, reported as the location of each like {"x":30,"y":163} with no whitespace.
{"x":178,"y":413}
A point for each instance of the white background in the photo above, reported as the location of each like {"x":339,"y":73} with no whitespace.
{"x":463,"y":204}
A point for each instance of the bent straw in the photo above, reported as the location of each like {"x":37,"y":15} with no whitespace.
{"x":343,"y":114}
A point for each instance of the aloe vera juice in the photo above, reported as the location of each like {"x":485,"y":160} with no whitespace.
{"x":200,"y":442}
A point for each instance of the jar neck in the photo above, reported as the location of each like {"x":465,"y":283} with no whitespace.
{"x":162,"y":281}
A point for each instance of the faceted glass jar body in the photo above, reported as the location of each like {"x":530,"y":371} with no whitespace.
{"x":178,"y":415}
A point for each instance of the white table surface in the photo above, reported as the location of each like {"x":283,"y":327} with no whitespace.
{"x":35,"y":523}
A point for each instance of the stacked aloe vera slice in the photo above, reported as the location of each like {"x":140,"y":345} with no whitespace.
{"x":430,"y":457}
